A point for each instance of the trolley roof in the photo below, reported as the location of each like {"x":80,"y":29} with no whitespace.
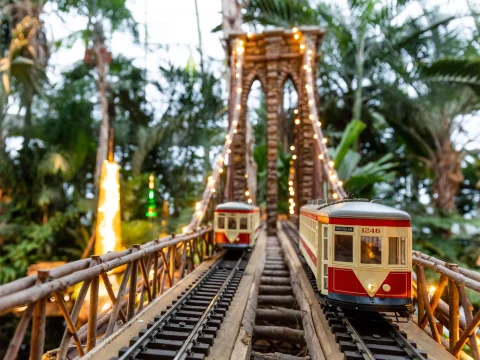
{"x":356,"y":209}
{"x":235,"y":206}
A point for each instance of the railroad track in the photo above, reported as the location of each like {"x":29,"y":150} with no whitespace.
{"x":361,"y":335}
{"x":187,"y":328}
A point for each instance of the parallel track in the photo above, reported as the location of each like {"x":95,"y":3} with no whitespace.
{"x":361,"y":334}
{"x":187,"y":329}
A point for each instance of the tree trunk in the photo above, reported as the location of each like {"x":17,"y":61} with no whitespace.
{"x":200,"y":45}
{"x":357,"y":105}
{"x":232,"y":18}
{"x":102,"y":83}
{"x":447,"y":176}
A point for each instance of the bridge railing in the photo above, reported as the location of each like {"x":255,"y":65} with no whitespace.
{"x":452,"y":283}
{"x":143,"y":271}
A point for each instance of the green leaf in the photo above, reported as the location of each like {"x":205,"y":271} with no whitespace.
{"x":349,"y":137}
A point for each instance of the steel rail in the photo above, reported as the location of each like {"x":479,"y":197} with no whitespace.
{"x":181,"y":354}
{"x":361,"y":345}
{"x":405,"y":344}
{"x":158,"y":325}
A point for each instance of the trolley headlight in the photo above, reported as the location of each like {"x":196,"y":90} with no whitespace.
{"x":386,"y":288}
{"x":371,"y":286}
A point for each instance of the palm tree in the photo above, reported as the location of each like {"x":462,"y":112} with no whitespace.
{"x":373,"y":54}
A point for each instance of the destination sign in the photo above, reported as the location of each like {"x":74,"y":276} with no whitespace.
{"x":344,"y":228}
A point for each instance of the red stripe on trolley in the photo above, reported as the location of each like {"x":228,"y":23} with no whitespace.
{"x":309,"y":252}
{"x":236,"y":211}
{"x":370,"y":222}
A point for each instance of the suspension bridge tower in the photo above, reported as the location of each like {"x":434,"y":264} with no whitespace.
{"x":273,"y":57}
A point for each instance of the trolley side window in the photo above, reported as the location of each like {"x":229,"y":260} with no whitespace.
{"x":221,"y":222}
{"x":396,"y":250}
{"x":343,"y":248}
{"x":232,"y":223}
{"x":243,"y":223}
{"x":371,"y":250}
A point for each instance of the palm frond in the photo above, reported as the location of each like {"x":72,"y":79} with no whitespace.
{"x":454,"y":70}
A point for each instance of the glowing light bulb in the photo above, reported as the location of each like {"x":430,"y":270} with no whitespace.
{"x":307,"y":86}
{"x":320,"y":156}
{"x":249,"y":201}
{"x":235,"y":123}
{"x":331,"y":163}
{"x":315,"y":136}
{"x":309,"y":52}
{"x":294,"y":157}
{"x":297,"y":121}
{"x":324,"y":140}
{"x":213,"y":190}
{"x":292,"y":147}
{"x":302,"y":47}
{"x":319,"y":123}
{"x":237,"y":75}
{"x":247,"y":193}
{"x":340,"y":183}
{"x":290,"y":189}
{"x":220,"y":170}
{"x":240,"y":43}
{"x":239,"y":106}
{"x":311,"y":116}
{"x":295,"y":29}
{"x":246,"y":176}
{"x":249,"y":34}
{"x":290,"y":200}
{"x":240,"y":50}
{"x":310,"y":102}
{"x":235,"y":131}
{"x":296,"y":36}
{"x":229,"y":151}
{"x":185,"y":230}
{"x":335,"y":196}
{"x":295,"y":111}
{"x":290,"y":183}
{"x":239,"y":90}
{"x":238,"y":64}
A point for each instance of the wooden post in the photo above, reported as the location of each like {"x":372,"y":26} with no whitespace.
{"x":422,"y":286}
{"x":39,"y":319}
{"x":133,"y":291}
{"x":420,"y":291}
{"x":93,"y":308}
{"x":442,"y":282}
{"x":454,"y":312}
{"x":467,"y":308}
{"x":155,"y":274}
{"x":171,"y":269}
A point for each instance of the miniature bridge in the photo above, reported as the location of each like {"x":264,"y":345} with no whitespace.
{"x":265,"y":299}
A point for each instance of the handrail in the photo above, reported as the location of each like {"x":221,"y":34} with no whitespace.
{"x":150,"y":269}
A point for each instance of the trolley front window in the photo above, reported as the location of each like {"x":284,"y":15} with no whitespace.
{"x":343,"y":248}
{"x":232,"y":223}
{"x":243,"y":223}
{"x":396,"y":250}
{"x":221,"y":221}
{"x":371,"y":250}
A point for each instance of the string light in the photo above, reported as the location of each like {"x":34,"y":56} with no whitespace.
{"x":319,"y":123}
{"x":331,"y":163}
{"x":239,"y":107}
{"x":294,"y":157}
{"x":296,"y":36}
{"x":302,"y":47}
{"x":249,"y":201}
{"x":320,"y":156}
{"x":249,"y":34}
{"x":292,"y":147}
{"x":315,"y":136}
{"x":295,"y":111}
{"x":295,"y":29}
{"x":324,"y":140}
{"x":290,"y":183}
{"x":311,"y":117}
{"x":297,"y":121}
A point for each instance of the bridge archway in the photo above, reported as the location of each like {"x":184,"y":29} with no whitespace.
{"x":273,"y":57}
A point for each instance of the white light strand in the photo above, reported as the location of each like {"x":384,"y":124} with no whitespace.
{"x":236,"y":69}
{"x":330,"y":171}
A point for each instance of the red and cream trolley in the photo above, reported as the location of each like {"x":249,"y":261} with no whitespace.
{"x":360,"y":253}
{"x":237,"y":225}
